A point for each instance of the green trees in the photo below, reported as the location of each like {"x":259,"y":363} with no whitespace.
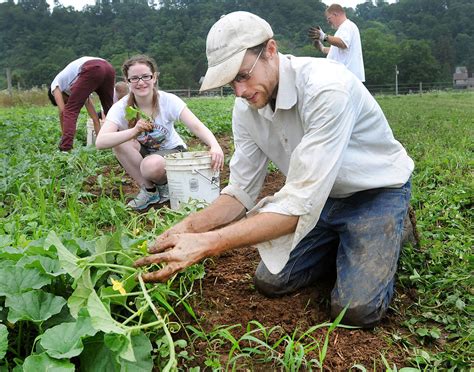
{"x":381,"y":54}
{"x":425,"y":38}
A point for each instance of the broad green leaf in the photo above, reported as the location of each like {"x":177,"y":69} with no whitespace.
{"x":101,"y":247}
{"x":97,"y":357}
{"x":16,"y":280}
{"x":121,"y":345}
{"x":6,"y":263}
{"x":6,"y":254}
{"x":69,"y":261}
{"x":142,"y":350}
{"x":116,"y":342}
{"x":78,"y":299}
{"x":423,"y":332}
{"x":3,"y":340}
{"x":460,"y":304}
{"x":36,"y":306}
{"x":43,"y":362}
{"x":100,"y":316}
{"x":45,"y":264}
{"x":64,"y":341}
{"x":5,"y":240}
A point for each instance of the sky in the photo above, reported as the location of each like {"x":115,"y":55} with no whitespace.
{"x":79,"y":4}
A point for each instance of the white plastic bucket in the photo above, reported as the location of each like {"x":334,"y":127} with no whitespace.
{"x":190,"y":176}
{"x":90,"y":133}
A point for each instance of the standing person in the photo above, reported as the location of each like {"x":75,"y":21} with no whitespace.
{"x":345,"y":45}
{"x":71,"y":89}
{"x":140,"y":145}
{"x":347,"y":179}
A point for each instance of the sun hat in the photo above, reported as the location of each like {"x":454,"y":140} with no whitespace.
{"x":226,"y":44}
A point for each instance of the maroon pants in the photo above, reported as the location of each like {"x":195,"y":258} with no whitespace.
{"x":96,"y":76}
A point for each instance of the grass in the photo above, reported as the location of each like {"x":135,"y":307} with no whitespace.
{"x":42,"y":189}
{"x":437,"y":130}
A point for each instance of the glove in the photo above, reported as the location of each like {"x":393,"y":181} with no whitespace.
{"x":316,"y":33}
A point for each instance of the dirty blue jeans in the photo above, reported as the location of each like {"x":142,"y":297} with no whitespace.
{"x":358,"y":236}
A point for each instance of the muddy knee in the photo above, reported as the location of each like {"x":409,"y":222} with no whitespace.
{"x":268,"y":284}
{"x":364,"y":315}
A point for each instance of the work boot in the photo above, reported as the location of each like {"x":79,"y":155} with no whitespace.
{"x":164,"y":192}
{"x":144,"y":199}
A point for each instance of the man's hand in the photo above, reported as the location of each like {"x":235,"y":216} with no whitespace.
{"x":177,"y":252}
{"x":316,"y":33}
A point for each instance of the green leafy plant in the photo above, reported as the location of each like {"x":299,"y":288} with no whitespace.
{"x":67,"y":242}
{"x":135,"y":113}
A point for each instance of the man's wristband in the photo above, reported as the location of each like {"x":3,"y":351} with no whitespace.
{"x":326,"y":37}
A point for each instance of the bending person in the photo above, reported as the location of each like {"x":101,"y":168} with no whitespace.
{"x":140,"y":145}
{"x":71,"y":89}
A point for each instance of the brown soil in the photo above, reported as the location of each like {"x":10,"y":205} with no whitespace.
{"x":228,"y":298}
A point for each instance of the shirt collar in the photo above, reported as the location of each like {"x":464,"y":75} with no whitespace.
{"x":286,"y":96}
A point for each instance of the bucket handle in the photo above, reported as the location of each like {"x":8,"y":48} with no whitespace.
{"x":212,"y":180}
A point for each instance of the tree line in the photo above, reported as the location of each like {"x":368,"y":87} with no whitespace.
{"x":425,"y":39}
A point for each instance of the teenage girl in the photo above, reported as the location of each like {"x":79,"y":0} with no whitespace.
{"x":140,"y":145}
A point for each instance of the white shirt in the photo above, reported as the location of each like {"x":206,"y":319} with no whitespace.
{"x":66,"y":78}
{"x":328,"y":136}
{"x":164,"y":135}
{"x":351,"y":57}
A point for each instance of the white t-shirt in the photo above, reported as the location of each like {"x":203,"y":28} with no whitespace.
{"x":351,"y":57}
{"x":68,"y":75}
{"x":329,"y":137}
{"x":164,"y":135}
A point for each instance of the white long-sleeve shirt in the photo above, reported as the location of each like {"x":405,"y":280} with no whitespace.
{"x":328,"y":136}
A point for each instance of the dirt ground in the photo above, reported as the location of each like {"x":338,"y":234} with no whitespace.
{"x":229,"y":298}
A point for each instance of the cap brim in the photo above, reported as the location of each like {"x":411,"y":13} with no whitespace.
{"x":223,"y":73}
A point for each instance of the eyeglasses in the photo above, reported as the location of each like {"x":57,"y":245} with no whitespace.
{"x":328,"y":18}
{"x":244,"y":76}
{"x":136,"y":79}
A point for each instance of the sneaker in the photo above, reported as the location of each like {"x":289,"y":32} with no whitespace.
{"x":164,"y":192}
{"x":144,"y":199}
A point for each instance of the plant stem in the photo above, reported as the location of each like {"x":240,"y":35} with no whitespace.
{"x":109,"y":252}
{"x":148,"y":325}
{"x":98,"y":264}
{"x":121,"y":295}
{"x":172,"y":363}
{"x":135,"y":314}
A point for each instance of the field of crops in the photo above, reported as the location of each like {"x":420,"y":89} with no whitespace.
{"x":69,"y":298}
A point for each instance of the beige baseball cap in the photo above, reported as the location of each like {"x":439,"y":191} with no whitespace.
{"x":226,"y":44}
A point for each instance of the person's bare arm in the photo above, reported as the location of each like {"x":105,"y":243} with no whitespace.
{"x":58,"y":97}
{"x":336,"y":41}
{"x":110,"y":136}
{"x":223,"y":211}
{"x":93,"y":114}
{"x":182,"y":250}
{"x":199,"y":129}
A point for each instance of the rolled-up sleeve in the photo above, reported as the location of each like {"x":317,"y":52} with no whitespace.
{"x":329,"y":118}
{"x":248,"y":166}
